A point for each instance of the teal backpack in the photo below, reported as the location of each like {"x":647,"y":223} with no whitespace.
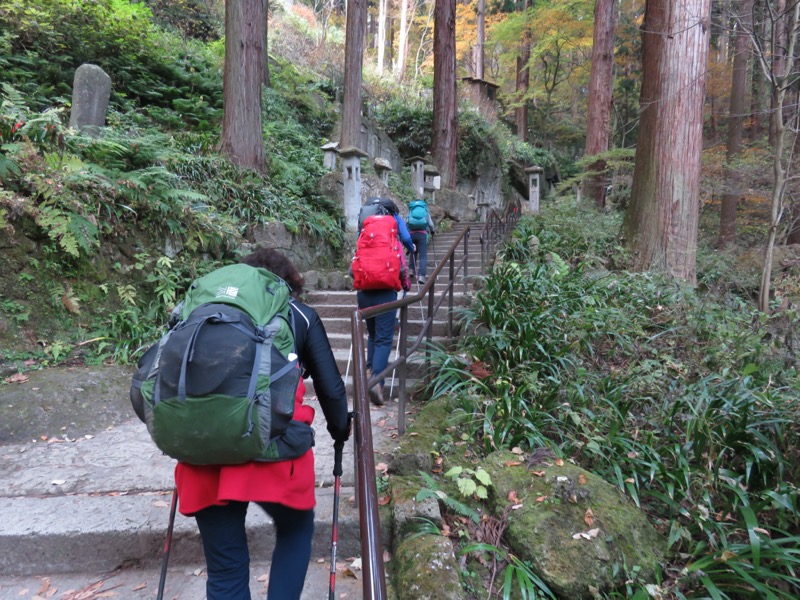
{"x":417,"y":215}
{"x":219,"y":387}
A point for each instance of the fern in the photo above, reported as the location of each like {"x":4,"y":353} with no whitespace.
{"x":433,"y":491}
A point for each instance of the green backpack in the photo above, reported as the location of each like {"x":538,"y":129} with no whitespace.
{"x":417,"y":215}
{"x":219,"y":387}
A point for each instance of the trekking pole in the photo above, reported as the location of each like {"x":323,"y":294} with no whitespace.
{"x":349,"y":359}
{"x":338,"y":448}
{"x":167,"y":545}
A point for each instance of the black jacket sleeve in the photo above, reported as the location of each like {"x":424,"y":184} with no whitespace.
{"x":318,"y":361}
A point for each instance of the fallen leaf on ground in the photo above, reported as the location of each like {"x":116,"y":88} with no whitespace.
{"x":17,"y":378}
{"x":582,"y":479}
{"x":516,"y":450}
{"x":559,"y":462}
{"x":538,"y":473}
{"x":512,"y":463}
{"x":512,"y":497}
{"x":541,"y":498}
{"x":630,"y":480}
{"x":382,"y":467}
{"x":45,"y":586}
{"x":586,"y":535}
{"x":384,"y":500}
{"x":588,"y":517}
{"x":726,"y":556}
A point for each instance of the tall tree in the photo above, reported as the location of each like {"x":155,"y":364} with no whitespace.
{"x":523,"y":77}
{"x":779,"y":39}
{"x":601,"y":87}
{"x":242,"y":131}
{"x":781,"y":75}
{"x":406,"y":7}
{"x":265,"y":77}
{"x":445,"y":117}
{"x":350,"y":141}
{"x":381,"y":43}
{"x":743,"y":23}
{"x":661,"y":222}
{"x":479,"y":58}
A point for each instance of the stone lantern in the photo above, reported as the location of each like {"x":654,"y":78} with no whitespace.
{"x":417,"y":175}
{"x":329,"y":152}
{"x":382,"y":167}
{"x":432,"y":182}
{"x":351,"y":179}
{"x":534,"y":187}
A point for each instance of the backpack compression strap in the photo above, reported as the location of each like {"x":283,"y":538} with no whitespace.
{"x":188,"y":354}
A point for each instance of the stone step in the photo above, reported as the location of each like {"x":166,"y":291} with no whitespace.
{"x":102,"y":501}
{"x":342,"y":325}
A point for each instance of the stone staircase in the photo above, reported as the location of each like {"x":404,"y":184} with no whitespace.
{"x":336,"y":308}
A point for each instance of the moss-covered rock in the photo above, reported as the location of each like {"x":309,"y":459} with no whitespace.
{"x":418,"y":447}
{"x":406,"y":510}
{"x":425,"y":569}
{"x":572,"y":526}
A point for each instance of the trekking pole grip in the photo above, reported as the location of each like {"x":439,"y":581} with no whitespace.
{"x":338,"y":450}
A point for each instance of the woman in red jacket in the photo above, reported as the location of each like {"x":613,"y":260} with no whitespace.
{"x":218,"y":496}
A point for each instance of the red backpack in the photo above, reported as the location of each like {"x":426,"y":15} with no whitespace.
{"x":377,"y":262}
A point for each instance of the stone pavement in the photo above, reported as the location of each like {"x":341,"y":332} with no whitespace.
{"x":95,"y":507}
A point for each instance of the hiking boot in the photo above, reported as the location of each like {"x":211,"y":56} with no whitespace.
{"x":421,"y":281}
{"x":376,"y":395}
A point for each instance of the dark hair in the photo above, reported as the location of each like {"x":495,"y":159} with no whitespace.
{"x":276,"y":263}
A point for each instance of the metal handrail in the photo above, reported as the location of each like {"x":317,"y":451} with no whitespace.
{"x":374,"y":575}
{"x":495,"y":230}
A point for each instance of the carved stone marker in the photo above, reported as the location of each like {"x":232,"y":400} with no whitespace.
{"x":91,"y":90}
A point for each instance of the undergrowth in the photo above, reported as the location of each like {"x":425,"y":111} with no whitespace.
{"x":685,"y":400}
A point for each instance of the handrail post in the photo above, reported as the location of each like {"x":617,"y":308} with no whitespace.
{"x":402,"y":347}
{"x":431,"y":306}
{"x":450,"y":297}
{"x":374,"y":583}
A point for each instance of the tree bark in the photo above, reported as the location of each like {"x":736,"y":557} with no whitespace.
{"x":242,"y":130}
{"x":353,"y":53}
{"x":601,"y":87}
{"x":730,"y":199}
{"x":661,"y":223}
{"x":445,"y":118}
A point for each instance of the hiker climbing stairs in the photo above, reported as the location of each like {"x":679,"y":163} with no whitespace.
{"x":91,"y":515}
{"x":336,"y":307}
